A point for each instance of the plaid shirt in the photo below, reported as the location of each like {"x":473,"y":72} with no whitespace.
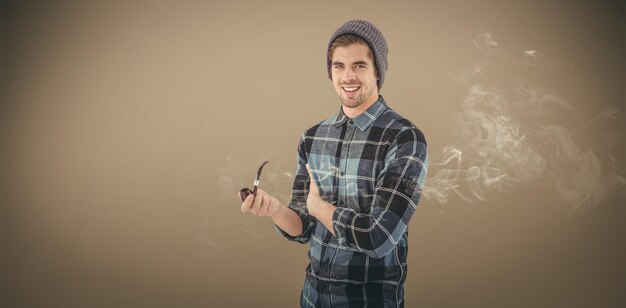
{"x":373,"y":168}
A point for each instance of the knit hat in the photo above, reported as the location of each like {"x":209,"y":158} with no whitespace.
{"x":374,"y":39}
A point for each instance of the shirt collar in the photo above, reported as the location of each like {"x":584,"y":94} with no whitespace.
{"x":365,"y":119}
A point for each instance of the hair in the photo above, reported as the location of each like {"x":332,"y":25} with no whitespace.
{"x":347,"y":40}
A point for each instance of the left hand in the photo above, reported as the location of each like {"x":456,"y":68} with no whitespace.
{"x":318,"y":208}
{"x":261,"y":205}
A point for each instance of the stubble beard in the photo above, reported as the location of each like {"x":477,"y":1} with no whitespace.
{"x":357,"y":101}
{"x":352,"y":103}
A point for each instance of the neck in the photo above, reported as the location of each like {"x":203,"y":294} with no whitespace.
{"x":356,"y":111}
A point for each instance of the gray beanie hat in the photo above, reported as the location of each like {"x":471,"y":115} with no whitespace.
{"x":372,"y":36}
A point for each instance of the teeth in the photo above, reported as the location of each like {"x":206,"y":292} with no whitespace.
{"x":350,"y":89}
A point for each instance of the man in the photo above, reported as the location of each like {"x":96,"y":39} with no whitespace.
{"x":369,"y":165}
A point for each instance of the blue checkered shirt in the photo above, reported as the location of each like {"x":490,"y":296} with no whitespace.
{"x":373,"y":168}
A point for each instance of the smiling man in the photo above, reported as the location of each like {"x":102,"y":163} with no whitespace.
{"x":359,"y":179}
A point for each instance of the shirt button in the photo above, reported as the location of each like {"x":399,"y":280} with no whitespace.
{"x":340,"y":202}
{"x":351,"y":122}
{"x":341,"y":173}
{"x":345,"y":144}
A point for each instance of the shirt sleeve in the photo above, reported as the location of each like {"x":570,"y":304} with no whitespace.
{"x":397,"y":193}
{"x":299,"y":193}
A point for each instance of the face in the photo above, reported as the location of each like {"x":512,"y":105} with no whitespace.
{"x":354,"y":75}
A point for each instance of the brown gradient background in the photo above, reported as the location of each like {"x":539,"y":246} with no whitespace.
{"x":118,"y":117}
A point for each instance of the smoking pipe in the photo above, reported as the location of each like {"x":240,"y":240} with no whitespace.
{"x":245,"y":192}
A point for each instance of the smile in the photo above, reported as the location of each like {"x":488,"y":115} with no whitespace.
{"x":351,"y":89}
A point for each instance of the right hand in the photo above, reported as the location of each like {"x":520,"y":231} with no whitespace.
{"x":261,"y":205}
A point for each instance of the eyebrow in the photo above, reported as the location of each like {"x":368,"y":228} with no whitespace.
{"x":355,"y":63}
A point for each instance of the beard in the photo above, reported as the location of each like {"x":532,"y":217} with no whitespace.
{"x":363,"y":93}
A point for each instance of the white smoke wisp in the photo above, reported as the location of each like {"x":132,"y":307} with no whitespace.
{"x":206,"y":246}
{"x":236,"y":171}
{"x":508,"y":140}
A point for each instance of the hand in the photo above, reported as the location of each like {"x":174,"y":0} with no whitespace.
{"x":314,"y":201}
{"x":318,"y":208}
{"x":261,"y":205}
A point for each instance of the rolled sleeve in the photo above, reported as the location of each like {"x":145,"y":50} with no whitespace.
{"x":307,"y":226}
{"x":340,"y":221}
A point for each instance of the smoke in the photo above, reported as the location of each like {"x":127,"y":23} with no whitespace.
{"x":508,"y":136}
{"x":206,"y":247}
{"x":236,"y":171}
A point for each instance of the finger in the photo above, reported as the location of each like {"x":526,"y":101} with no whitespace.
{"x":258,"y":200}
{"x":264,"y":207}
{"x":245,"y":206}
{"x":267,"y":202}
{"x":308,"y":169}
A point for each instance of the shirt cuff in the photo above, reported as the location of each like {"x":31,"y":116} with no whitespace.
{"x":341,"y":218}
{"x":302,"y":238}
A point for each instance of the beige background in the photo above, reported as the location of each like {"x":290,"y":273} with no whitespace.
{"x":129,"y":127}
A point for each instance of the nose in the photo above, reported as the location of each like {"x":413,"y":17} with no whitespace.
{"x":348,"y":74}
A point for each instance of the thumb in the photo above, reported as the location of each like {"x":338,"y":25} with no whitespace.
{"x":308,"y":169}
{"x":313,"y":183}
